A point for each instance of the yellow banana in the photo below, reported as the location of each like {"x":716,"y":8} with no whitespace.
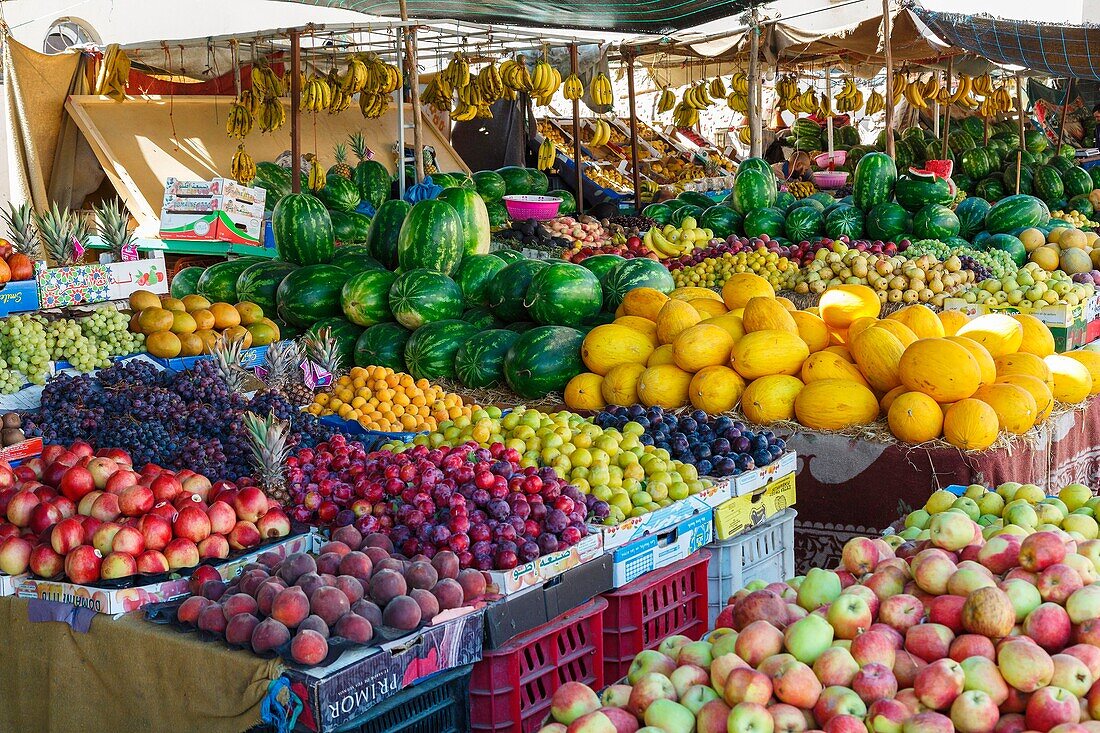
{"x":239,"y":121}
{"x":547,"y":154}
{"x":600,"y":89}
{"x":717,"y":87}
{"x":316,"y":176}
{"x":242,"y":168}
{"x":573,"y":88}
{"x":666,"y":102}
{"x":897,"y":88}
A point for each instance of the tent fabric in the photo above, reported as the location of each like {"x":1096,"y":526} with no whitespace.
{"x":623,"y":16}
{"x":1060,"y":50}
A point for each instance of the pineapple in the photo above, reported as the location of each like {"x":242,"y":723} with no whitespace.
{"x":283,"y":362}
{"x":57,"y":230}
{"x":341,"y":168}
{"x":111,"y":223}
{"x":268,"y":442}
{"x":227,"y":360}
{"x":324,"y":351}
{"x":21,"y":230}
{"x":359,"y":146}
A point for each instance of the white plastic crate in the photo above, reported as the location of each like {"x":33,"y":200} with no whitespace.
{"x":763,"y":553}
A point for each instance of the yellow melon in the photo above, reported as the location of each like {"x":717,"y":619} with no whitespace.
{"x":835,"y":404}
{"x":204,"y":319}
{"x":143,"y":300}
{"x":1044,"y":398}
{"x":812,"y":330}
{"x":843,"y":352}
{"x":708,"y":308}
{"x":743,"y":287}
{"x":970,"y":425}
{"x":164,"y":344}
{"x":238,"y":333}
{"x":770,"y":399}
{"x":1091,"y":360}
{"x":838,"y":336}
{"x":1014,"y":405}
{"x":1072,"y":238}
{"x":195,"y":302}
{"x":620,"y":311}
{"x":663,"y":354}
{"x":888,"y":398}
{"x":183,"y":322}
{"x":903,"y":333}
{"x":1032,"y":238}
{"x":787,"y":303}
{"x":878,"y":353}
{"x":639,"y":324}
{"x":665,"y":386}
{"x":583,"y":392}
{"x":986,"y":365}
{"x":941,"y":369}
{"x":644,"y":302}
{"x":1046,"y":257}
{"x":998,"y":333}
{"x":674,"y":317}
{"x":1025,"y":363}
{"x":611,"y":344}
{"x":827,"y":365}
{"x":733,"y":324}
{"x":763,"y":353}
{"x":842,"y":304}
{"x":952,"y":321}
{"x":152,"y":320}
{"x":700,"y":346}
{"x":765,"y":314}
{"x":173,"y":304}
{"x":914,"y":417}
{"x":1037,"y":339}
{"x":692,"y":293}
{"x":1072,"y":381}
{"x":620,"y":384}
{"x":715,"y":389}
{"x":813,"y":310}
{"x":920,"y":319}
{"x":860,"y":325}
{"x":190,"y":344}
{"x":225,"y":316}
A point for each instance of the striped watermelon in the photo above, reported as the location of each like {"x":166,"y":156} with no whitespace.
{"x":384,"y":232}
{"x":971,"y":212}
{"x":915,"y":192}
{"x":722,"y":220}
{"x":258,"y":283}
{"x":845,"y":220}
{"x":659,"y":213}
{"x":1010,"y":244}
{"x":339,"y":193}
{"x":430,"y":238}
{"x":355,"y":258}
{"x":543,"y":360}
{"x":382,"y":345}
{"x":481,"y":317}
{"x":935,"y":222}
{"x":303,"y":230}
{"x":345,"y":334}
{"x":479,"y":362}
{"x":372,"y":180}
{"x":505,"y":293}
{"x":1016,"y":212}
{"x":1076,"y":182}
{"x":310,"y":294}
{"x":873,"y":181}
{"x":365,"y":297}
{"x":490,"y":186}
{"x":420,"y":296}
{"x":473,"y":275}
{"x":472,"y":215}
{"x":768,"y":221}
{"x":1048,"y":184}
{"x":804,"y":224}
{"x":218,"y":283}
{"x":887,"y":221}
{"x":678,"y":216}
{"x":634,"y":273}
{"x":430,"y":351}
{"x":185,"y":282}
{"x":349,"y":226}
{"x":976,"y":163}
{"x":991,"y":188}
{"x":563,"y":293}
{"x":601,"y":265}
{"x":753,"y":189}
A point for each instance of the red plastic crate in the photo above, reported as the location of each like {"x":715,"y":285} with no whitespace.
{"x":511,"y":687}
{"x":657,"y":605}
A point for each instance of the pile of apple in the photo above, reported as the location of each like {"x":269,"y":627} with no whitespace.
{"x":629,"y":249}
{"x":93,"y":517}
{"x":355,"y":586}
{"x":584,"y":231}
{"x":953,"y":633}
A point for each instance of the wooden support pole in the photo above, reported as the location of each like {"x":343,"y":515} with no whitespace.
{"x":886,"y":44}
{"x":577,"y":155}
{"x":756,"y":144}
{"x":637,"y":174}
{"x":1020,"y":121}
{"x":1062,"y":121}
{"x":295,"y":114}
{"x":414,"y":96}
{"x":947,"y":111}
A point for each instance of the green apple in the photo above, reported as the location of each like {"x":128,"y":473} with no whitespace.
{"x":968,"y":506}
{"x":820,"y":587}
{"x":808,"y":638}
{"x":991,"y":503}
{"x":1020,"y":513}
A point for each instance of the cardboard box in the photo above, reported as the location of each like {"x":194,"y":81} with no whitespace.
{"x":21,"y":451}
{"x":219,"y":210}
{"x":20,"y":296}
{"x":756,"y":479}
{"x":540,"y":604}
{"x":547,"y":567}
{"x":302,"y":542}
{"x":745,"y":512}
{"x":59,"y":287}
{"x":659,"y":550}
{"x":635,"y":528}
{"x":336,"y":695}
{"x":8,"y":583}
{"x":250,"y":359}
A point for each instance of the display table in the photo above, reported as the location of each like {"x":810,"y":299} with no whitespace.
{"x":849,"y":487}
{"x":123,"y":674}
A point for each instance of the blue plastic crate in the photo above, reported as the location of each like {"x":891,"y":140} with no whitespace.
{"x":371,"y":439}
{"x":250,"y":359}
{"x":439,"y":703}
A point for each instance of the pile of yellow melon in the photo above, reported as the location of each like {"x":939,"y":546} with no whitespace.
{"x":191,"y":326}
{"x":831,"y":367}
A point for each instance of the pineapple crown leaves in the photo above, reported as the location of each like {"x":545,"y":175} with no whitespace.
{"x":358,"y":145}
{"x":112,"y":226}
{"x":340,"y":153}
{"x":281,"y":361}
{"x":22,"y":231}
{"x":324,"y":350}
{"x":227,"y":358}
{"x":267,"y":440}
{"x":57,"y":228}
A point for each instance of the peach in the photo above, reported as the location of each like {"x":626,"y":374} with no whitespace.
{"x":449,"y":594}
{"x":473,"y":584}
{"x":421,"y":575}
{"x":181,"y":553}
{"x":192,"y":523}
{"x":402,"y":612}
{"x":329,"y":603}
{"x":308,"y":647}
{"x":239,"y":628}
{"x":290,"y":607}
{"x":269,"y":634}
{"x":429,"y":604}
{"x":188,"y":612}
{"x":355,"y":628}
{"x":446,"y":564}
{"x":82,"y":564}
{"x":152,"y":562}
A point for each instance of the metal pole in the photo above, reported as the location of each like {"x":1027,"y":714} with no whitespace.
{"x":295,"y":102}
{"x":414,"y":94}
{"x":947,"y":112}
{"x":886,"y":43}
{"x":400,"y":93}
{"x":1062,"y":124}
{"x":756,"y":145}
{"x":829,"y":106}
{"x":637,"y":174}
{"x":577,"y":160}
{"x":1020,"y":119}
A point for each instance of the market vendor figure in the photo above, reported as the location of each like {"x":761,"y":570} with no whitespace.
{"x":1096,"y":133}
{"x":797,"y":168}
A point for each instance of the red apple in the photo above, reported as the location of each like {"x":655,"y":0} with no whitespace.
{"x":82,"y":565}
{"x":250,"y":504}
{"x":76,"y":482}
{"x":152,"y":562}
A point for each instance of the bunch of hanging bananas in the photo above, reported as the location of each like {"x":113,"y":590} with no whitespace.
{"x":919,"y":93}
{"x":666,"y":101}
{"x":316,"y":95}
{"x":822,"y":106}
{"x":963,"y":96}
{"x":875,"y":103}
{"x":457,"y":72}
{"x":515,"y":75}
{"x":805,"y":102}
{"x":373,"y":105}
{"x":544,"y":83}
{"x":434,"y":96}
{"x":265,"y":82}
{"x":602,"y":95}
{"x":240,"y":120}
{"x":787,"y":89}
{"x":601,"y":133}
{"x":744,"y":134}
{"x":382,"y":78}
{"x":547,"y":154}
{"x":898,"y":87}
{"x":243,"y":168}
{"x":572,"y":88}
{"x":354,"y":79}
{"x":341,"y":100}
{"x":114,"y":72}
{"x":850,"y":98}
{"x":983,"y":85}
{"x":997,"y":102}
{"x":471,"y":104}
{"x":684,"y":116}
{"x":740,"y":83}
{"x":738,"y":102}
{"x":272,"y":114}
{"x":717,"y":87}
{"x":489,"y":84}
{"x":697,"y":97}
{"x":316,"y":176}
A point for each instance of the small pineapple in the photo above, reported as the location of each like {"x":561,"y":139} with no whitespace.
{"x":324,"y":351}
{"x":21,"y":230}
{"x":57,"y":230}
{"x":112,"y":225}
{"x":227,"y":360}
{"x":267,"y":437}
{"x":359,"y":146}
{"x":283,"y":362}
{"x":341,"y":168}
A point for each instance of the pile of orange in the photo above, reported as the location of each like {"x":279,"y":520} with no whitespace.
{"x":189,"y":327}
{"x":382,"y":399}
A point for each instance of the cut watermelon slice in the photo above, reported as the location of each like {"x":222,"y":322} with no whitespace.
{"x":942,"y":168}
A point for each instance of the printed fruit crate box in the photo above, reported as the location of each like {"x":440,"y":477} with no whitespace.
{"x":335,"y":695}
{"x":59,"y":287}
{"x":661,"y":549}
{"x":1070,"y":325}
{"x":250,"y":359}
{"x":751,"y":481}
{"x":20,"y":296}
{"x":745,"y":512}
{"x":546,"y":567}
{"x":21,"y":451}
{"x":635,"y":528}
{"x":8,"y":583}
